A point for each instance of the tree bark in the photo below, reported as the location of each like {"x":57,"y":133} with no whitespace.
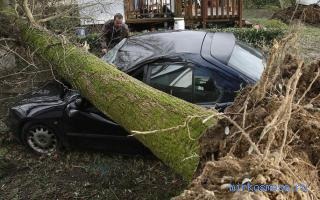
{"x":129,"y":102}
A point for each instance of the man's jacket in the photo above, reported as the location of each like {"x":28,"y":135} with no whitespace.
{"x":110,"y":36}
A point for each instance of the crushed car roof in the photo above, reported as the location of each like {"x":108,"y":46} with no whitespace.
{"x":139,"y":48}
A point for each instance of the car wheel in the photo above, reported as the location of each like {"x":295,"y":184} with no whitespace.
{"x":40,"y":138}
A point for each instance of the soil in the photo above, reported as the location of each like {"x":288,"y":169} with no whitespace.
{"x":274,"y":136}
{"x":309,"y":14}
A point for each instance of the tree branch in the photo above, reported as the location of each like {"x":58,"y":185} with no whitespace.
{"x":28,"y":12}
{"x":56,"y":16}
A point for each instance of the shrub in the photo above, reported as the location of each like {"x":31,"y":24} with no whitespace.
{"x":257,"y":38}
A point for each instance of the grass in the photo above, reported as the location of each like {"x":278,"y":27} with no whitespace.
{"x":310,"y":43}
{"x":83,"y":175}
{"x":310,"y":35}
{"x":263,"y":13}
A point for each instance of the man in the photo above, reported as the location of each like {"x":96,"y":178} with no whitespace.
{"x":113,"y":32}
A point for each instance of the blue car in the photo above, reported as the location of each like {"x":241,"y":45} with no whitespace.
{"x":200,"y":67}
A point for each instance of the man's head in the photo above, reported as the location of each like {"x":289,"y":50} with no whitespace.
{"x":118,"y":20}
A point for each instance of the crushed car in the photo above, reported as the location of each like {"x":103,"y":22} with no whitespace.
{"x":200,"y":67}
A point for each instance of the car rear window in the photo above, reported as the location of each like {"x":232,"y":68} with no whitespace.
{"x":247,"y":60}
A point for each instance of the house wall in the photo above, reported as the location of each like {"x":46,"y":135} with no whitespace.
{"x":99,"y":11}
{"x":308,"y":2}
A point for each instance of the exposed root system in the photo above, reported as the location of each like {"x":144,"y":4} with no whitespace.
{"x":270,"y":136}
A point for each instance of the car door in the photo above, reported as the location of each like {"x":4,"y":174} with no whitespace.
{"x":88,"y":127}
{"x":206,"y":90}
{"x":84,"y":120}
{"x":190,"y":82}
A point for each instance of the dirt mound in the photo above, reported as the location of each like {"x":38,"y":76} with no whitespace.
{"x":309,"y":14}
{"x":269,"y":138}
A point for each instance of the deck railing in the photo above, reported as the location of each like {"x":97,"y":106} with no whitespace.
{"x":192,"y":10}
{"x":140,"y":9}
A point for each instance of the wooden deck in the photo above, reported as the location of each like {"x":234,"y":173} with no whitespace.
{"x":193,"y":11}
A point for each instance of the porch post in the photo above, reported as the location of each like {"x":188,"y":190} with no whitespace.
{"x":204,"y":12}
{"x":178,"y":8}
{"x":240,"y":11}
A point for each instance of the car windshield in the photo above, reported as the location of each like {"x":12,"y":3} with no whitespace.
{"x":112,"y":54}
{"x":247,"y":60}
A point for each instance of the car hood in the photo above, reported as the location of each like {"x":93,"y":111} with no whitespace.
{"x":40,"y":99}
{"x":35,"y":105}
{"x":31,"y":106}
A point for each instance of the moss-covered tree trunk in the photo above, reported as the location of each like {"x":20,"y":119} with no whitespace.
{"x":126,"y":100}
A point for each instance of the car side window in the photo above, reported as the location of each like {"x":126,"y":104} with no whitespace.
{"x":205,"y":88}
{"x":138,"y":73}
{"x":174,"y":79}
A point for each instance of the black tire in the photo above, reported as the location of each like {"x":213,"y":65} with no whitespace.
{"x":40,"y":138}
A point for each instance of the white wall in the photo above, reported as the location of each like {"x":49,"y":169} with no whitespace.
{"x":308,"y":2}
{"x":99,"y":11}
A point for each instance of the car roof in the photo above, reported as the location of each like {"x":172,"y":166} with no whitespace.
{"x":173,"y":41}
{"x":196,"y":46}
{"x":140,"y":48}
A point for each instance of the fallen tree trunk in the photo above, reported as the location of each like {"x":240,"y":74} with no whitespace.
{"x":174,"y":124}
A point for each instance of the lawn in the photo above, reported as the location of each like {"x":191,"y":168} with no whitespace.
{"x":310,"y":43}
{"x":310,"y":35}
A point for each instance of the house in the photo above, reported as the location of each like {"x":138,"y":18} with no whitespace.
{"x":148,"y":13}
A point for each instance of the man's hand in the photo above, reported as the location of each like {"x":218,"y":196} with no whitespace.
{"x":104,"y":50}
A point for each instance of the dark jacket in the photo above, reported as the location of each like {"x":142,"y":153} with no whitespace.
{"x":110,"y":36}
